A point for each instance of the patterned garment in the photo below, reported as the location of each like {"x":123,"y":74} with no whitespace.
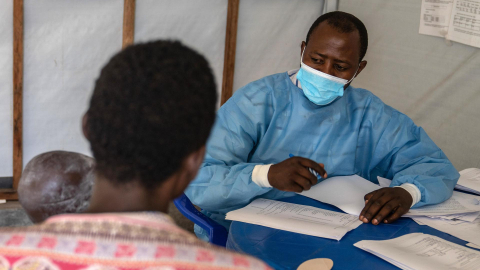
{"x":149,"y":241}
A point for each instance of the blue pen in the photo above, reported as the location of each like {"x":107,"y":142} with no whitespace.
{"x":310,"y":169}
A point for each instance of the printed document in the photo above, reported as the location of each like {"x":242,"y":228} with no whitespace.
{"x":456,"y":20}
{"x":296,"y":218}
{"x":435,"y":17}
{"x":469,"y":181}
{"x":423,"y":251}
{"x":468,"y":231}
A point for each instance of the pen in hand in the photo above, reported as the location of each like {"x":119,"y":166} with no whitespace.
{"x":310,"y":169}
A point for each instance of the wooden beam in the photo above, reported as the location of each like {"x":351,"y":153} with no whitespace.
{"x":9,"y":196}
{"x":230,"y":49}
{"x":17,"y":92}
{"x":128,"y":22}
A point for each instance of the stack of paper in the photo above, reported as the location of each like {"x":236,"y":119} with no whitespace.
{"x":348,"y":192}
{"x":423,"y":251}
{"x":296,"y":218}
{"x":469,"y":181}
{"x":463,"y":226}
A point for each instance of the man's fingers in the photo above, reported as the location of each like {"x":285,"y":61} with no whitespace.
{"x":374,"y":205}
{"x":294,"y":187}
{"x":315,"y":166}
{"x":372,"y":196}
{"x":385,"y":212}
{"x":302,"y":182}
{"x":305,"y":173}
{"x":400,"y":211}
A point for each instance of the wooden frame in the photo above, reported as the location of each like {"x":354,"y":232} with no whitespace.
{"x":128,"y":22}
{"x":230,"y":50}
{"x":11,"y":194}
{"x":128,"y":38}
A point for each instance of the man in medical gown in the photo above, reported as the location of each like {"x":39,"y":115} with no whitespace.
{"x":314,"y":115}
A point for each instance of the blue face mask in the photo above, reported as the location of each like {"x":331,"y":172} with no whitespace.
{"x":320,"y":88}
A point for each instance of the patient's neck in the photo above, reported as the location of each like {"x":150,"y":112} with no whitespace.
{"x":109,"y":196}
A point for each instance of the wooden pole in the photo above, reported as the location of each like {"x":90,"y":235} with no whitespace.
{"x":230,"y":48}
{"x":128,"y":22}
{"x":17,"y":91}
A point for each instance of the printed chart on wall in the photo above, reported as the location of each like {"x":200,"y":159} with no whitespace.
{"x":456,"y":20}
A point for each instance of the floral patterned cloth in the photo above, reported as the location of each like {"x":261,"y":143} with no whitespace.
{"x":112,"y":241}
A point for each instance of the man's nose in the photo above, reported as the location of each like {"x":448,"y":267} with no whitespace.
{"x":328,"y":69}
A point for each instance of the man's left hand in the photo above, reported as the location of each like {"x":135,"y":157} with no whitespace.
{"x":386,"y":204}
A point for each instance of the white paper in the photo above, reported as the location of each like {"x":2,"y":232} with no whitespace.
{"x":459,"y":203}
{"x":345,"y":192}
{"x":423,"y":251}
{"x":384,"y":182}
{"x":296,"y":218}
{"x":468,"y":231}
{"x":3,"y":201}
{"x":473,"y":245}
{"x":464,"y":24}
{"x":469,"y":180}
{"x":435,"y":17}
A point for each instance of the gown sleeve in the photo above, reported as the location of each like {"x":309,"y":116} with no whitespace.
{"x":407,"y":155}
{"x":224,"y":181}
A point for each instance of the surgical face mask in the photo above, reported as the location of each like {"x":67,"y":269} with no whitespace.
{"x":320,"y":88}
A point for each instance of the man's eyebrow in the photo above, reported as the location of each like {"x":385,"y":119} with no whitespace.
{"x":336,"y":60}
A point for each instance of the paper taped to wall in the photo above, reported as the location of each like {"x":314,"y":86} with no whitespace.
{"x":435,"y":17}
{"x":456,"y":20}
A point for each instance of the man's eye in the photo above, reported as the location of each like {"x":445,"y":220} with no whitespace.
{"x":340,"y":68}
{"x":317,"y":61}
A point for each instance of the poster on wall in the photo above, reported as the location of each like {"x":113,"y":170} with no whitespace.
{"x":456,"y":20}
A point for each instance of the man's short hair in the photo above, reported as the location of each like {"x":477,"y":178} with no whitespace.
{"x":344,"y":23}
{"x":152,"y":106}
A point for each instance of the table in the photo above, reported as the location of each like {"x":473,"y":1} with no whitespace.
{"x":287,"y":250}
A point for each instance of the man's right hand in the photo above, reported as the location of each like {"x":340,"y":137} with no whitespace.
{"x":293,"y":175}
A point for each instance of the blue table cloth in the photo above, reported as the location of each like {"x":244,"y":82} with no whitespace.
{"x":287,"y":250}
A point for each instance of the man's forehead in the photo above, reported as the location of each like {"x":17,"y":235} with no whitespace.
{"x":326,"y":35}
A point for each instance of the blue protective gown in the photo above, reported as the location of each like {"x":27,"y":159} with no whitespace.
{"x":270,"y":118}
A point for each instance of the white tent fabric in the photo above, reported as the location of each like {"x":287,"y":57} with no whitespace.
{"x":436,"y":85}
{"x":68,"y":41}
{"x":6,"y":85}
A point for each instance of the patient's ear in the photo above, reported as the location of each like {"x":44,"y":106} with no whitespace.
{"x":188,"y":171}
{"x":84,"y":125}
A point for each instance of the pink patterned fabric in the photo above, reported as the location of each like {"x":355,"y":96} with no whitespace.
{"x":149,"y":241}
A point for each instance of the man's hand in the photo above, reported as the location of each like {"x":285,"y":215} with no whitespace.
{"x":293,"y":175}
{"x":385,"y":204}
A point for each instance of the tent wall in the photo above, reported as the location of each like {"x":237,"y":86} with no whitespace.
{"x":68,"y":41}
{"x":437,"y":85}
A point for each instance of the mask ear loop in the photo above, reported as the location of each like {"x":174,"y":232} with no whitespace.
{"x":358,"y":67}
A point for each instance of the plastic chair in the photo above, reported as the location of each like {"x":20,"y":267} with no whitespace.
{"x":217,"y":234}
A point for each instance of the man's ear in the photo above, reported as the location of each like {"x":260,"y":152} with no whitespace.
{"x":361,"y":66}
{"x":84,"y":125}
{"x":302,"y":47}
